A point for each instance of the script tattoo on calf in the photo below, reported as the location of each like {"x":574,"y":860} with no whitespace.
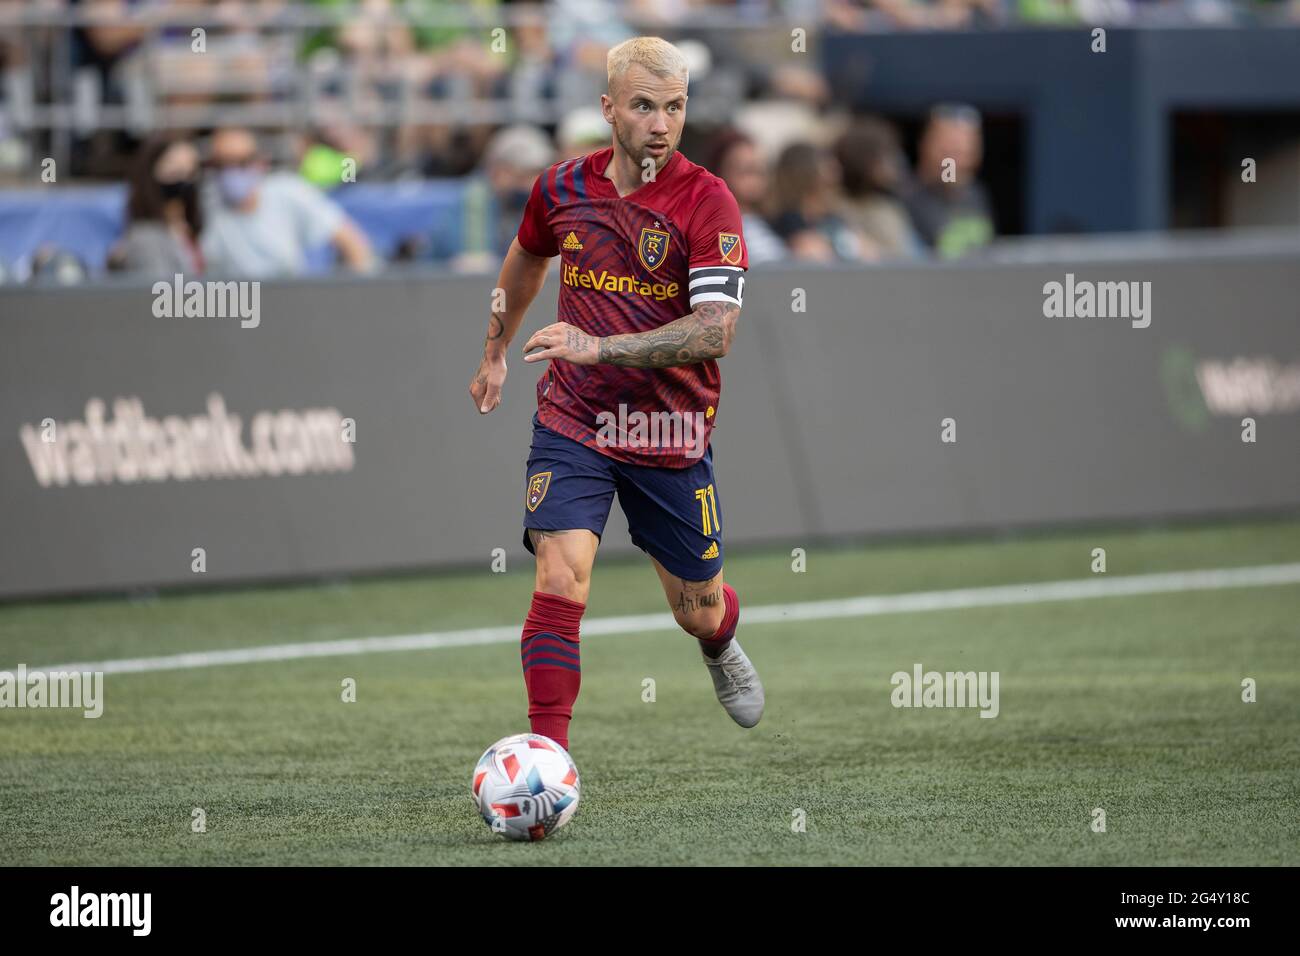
{"x":702,"y":335}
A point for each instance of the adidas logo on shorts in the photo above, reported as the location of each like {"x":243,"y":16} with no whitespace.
{"x":712,"y":552}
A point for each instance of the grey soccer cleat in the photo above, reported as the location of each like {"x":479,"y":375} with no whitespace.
{"x":736,"y":681}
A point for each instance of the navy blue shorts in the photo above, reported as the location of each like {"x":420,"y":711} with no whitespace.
{"x":673,"y":514}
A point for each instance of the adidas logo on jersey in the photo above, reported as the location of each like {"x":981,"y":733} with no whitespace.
{"x":571,"y":243}
{"x":711,"y":553}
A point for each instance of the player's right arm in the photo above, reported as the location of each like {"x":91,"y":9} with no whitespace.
{"x":522,"y":277}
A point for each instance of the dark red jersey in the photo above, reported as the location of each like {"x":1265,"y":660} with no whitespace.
{"x":633,"y":264}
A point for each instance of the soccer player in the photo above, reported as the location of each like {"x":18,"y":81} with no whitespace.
{"x":652,"y":270}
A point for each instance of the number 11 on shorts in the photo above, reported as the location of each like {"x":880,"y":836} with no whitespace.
{"x":708,"y":502}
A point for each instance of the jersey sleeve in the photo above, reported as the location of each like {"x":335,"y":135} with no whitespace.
{"x":534,"y":233}
{"x":718,"y":256}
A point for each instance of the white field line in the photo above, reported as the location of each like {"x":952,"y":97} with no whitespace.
{"x":867,"y":606}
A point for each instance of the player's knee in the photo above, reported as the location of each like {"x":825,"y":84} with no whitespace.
{"x":558,"y":577}
{"x":701,"y":622}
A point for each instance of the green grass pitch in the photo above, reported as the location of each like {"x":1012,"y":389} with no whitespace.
{"x":1129,"y":704}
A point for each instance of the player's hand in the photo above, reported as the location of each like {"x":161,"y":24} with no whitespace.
{"x":485,"y":389}
{"x":563,"y":341}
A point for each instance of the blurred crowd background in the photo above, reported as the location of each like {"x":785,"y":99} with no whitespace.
{"x":277,"y":138}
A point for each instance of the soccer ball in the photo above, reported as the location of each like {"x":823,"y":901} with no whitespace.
{"x":525,"y":787}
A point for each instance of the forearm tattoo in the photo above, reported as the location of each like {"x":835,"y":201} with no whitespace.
{"x":704,"y":334}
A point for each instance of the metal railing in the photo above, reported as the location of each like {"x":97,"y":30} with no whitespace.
{"x":270,"y":85}
{"x":46,"y":96}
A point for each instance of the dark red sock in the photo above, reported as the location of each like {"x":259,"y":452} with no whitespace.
{"x":713,"y":646}
{"x":552,"y":672}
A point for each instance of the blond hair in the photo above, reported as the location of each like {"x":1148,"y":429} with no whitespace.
{"x":653,"y":54}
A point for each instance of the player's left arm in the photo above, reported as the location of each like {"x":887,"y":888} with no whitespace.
{"x":704,"y":334}
{"x":717,"y":264}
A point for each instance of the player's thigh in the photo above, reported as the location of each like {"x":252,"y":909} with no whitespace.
{"x":564,"y":562}
{"x":697,"y":606}
{"x":568,"y":490}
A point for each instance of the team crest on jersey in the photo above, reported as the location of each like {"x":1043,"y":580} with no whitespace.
{"x":729,"y":244}
{"x":537,"y":485}
{"x":653,"y":248}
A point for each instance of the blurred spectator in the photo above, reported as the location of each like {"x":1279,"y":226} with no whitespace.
{"x":1053,"y":11}
{"x":861,"y":15}
{"x":105,"y":50}
{"x":335,"y":154}
{"x":374,"y":50}
{"x":798,"y":84}
{"x":869,"y":154}
{"x":775,"y":124}
{"x":54,"y":266}
{"x":948,"y":205}
{"x":14,"y":60}
{"x":583,"y":31}
{"x":111,"y":39}
{"x":535,"y":71}
{"x":464,"y":63}
{"x":495,"y":198}
{"x":263,"y":223}
{"x":806,"y":208}
{"x":238,"y":56}
{"x":461,"y":48}
{"x":164,"y":218}
{"x":582,"y":131}
{"x":736,"y":160}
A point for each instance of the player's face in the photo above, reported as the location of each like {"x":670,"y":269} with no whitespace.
{"x":647,"y":113}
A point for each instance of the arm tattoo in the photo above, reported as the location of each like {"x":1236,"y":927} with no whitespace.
{"x":704,"y":334}
{"x":496,"y":328}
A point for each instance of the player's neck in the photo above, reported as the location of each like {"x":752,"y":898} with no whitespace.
{"x":625,"y":174}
